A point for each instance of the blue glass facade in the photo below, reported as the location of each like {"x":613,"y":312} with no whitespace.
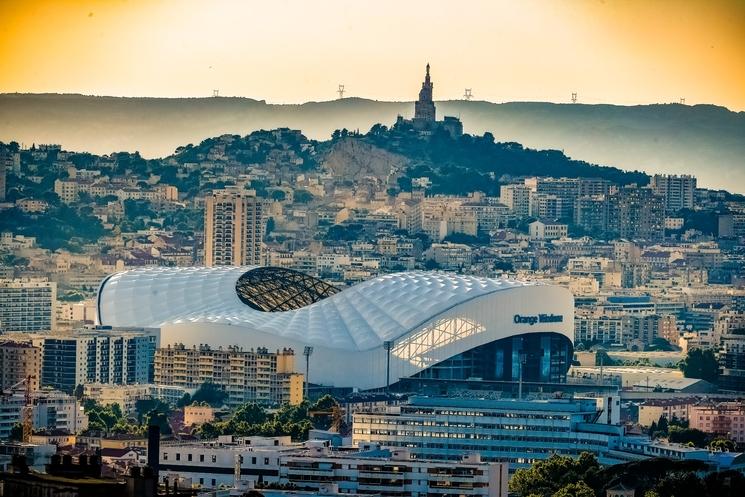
{"x":545,"y":358}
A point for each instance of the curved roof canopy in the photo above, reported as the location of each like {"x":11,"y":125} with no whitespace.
{"x":302,"y":308}
{"x":273,"y":289}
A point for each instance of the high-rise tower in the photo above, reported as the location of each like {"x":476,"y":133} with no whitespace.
{"x":424,"y":108}
{"x":233,"y":228}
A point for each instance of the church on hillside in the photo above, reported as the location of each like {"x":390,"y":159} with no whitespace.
{"x":424,"y":120}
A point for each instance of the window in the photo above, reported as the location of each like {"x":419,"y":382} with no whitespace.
{"x":266,"y":461}
{"x":214,"y":459}
{"x":178,"y":456}
{"x":165,"y":456}
{"x":213,"y":482}
{"x":253,"y":461}
{"x":201,"y":457}
{"x":201,"y":481}
{"x":189,"y":457}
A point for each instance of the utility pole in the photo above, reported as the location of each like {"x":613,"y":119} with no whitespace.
{"x":307,"y":351}
{"x":574,"y":97}
{"x":468,"y":95}
{"x":340,"y":91}
{"x":215,"y":93}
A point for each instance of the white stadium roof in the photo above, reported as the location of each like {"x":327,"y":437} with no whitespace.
{"x":358,"y":318}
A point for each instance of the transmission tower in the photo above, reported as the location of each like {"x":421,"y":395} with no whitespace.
{"x":682,"y":101}
{"x":340,"y":91}
{"x":215,"y":93}
{"x":468,"y":95}
{"x":574,"y":97}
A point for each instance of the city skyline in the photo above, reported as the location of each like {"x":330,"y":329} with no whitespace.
{"x":607,"y":52}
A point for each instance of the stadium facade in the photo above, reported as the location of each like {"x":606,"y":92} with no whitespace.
{"x":409,"y":324}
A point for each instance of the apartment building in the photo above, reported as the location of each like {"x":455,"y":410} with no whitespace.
{"x":677,"y":190}
{"x":723,"y":418}
{"x":245,"y":375}
{"x":234,"y":225}
{"x":652,"y":410}
{"x":119,"y":356}
{"x":27,"y":305}
{"x":52,"y":409}
{"x":19,"y":361}
{"x":517,"y":199}
{"x":312,"y":466}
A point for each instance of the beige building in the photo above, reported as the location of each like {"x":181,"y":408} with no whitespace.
{"x":19,"y":360}
{"x":246,"y":375}
{"x":725,"y":418}
{"x":234,"y":224}
{"x":652,"y":410}
{"x":126,"y":396}
{"x":197,"y":415}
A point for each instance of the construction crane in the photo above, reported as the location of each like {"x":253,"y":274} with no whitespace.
{"x":27,"y":410}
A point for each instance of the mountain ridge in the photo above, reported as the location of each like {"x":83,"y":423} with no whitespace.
{"x":705,"y":140}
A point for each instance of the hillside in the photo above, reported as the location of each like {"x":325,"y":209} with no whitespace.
{"x":704,"y":140}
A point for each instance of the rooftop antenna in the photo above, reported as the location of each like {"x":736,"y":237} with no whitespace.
{"x":340,"y":91}
{"x":215,"y":93}
{"x":468,"y":95}
{"x":574,"y":97}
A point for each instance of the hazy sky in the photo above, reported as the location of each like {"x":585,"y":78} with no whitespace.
{"x":615,"y":51}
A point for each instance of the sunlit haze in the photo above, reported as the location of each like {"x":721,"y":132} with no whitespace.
{"x":624,"y":52}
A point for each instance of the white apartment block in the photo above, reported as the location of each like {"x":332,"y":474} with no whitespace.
{"x":27,"y":305}
{"x":677,"y":189}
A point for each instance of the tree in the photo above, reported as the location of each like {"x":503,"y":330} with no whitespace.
{"x":662,"y":424}
{"x":16,"y":433}
{"x":579,"y":489}
{"x":701,"y":364}
{"x":78,"y":392}
{"x":552,"y":475}
{"x":687,"y":435}
{"x":278,"y":195}
{"x":722,"y":444}
{"x":303,"y":196}
{"x":210,"y":393}
{"x":184,"y":401}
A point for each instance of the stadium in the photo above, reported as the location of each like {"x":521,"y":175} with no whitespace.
{"x":410,"y":324}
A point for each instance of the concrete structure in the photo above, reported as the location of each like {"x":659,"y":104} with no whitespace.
{"x":27,"y":305}
{"x":19,"y":361}
{"x":425,"y":324}
{"x":245,"y":375}
{"x":234,"y":224}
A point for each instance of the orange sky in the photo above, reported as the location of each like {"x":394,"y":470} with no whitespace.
{"x":614,"y":51}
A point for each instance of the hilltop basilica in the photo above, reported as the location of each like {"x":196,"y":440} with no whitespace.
{"x":424,"y":114}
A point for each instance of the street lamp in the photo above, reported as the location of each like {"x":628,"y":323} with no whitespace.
{"x":307,"y":351}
